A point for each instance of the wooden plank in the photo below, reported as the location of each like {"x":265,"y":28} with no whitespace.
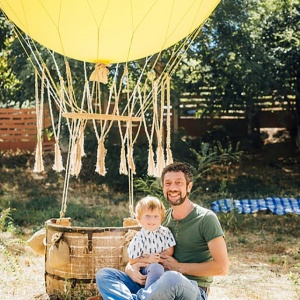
{"x":18,"y":129}
{"x":89,"y":116}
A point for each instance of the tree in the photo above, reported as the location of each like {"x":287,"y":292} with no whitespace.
{"x":242,"y":52}
{"x":9,"y":83}
{"x":282,"y":38}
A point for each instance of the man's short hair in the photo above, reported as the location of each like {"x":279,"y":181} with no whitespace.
{"x":177,"y":167}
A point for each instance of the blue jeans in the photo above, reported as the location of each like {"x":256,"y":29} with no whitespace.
{"x":114,"y":284}
{"x":153,"y":272}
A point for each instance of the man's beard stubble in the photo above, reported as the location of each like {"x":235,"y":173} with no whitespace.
{"x":179,"y":201}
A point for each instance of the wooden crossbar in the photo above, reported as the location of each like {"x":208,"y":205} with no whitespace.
{"x":90,"y":116}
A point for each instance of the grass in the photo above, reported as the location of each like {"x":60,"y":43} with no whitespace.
{"x":264,"y":249}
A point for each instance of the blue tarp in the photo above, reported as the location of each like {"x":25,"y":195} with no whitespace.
{"x":276,"y":205}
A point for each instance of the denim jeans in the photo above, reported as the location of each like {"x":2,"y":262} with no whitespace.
{"x":153,"y":272}
{"x":117,"y":285}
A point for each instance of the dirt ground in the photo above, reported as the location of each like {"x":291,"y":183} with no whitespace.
{"x":253,"y":275}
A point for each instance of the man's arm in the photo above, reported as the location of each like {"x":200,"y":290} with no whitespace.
{"x":169,"y":251}
{"x":219,"y":265}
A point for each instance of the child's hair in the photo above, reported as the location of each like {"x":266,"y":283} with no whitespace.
{"x":149,"y":203}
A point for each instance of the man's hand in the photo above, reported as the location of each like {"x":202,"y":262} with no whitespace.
{"x":169,"y":262}
{"x":133,"y":271}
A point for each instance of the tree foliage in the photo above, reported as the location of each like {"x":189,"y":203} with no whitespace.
{"x":246,"y":49}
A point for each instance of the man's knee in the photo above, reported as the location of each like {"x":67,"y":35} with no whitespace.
{"x":172,"y":277}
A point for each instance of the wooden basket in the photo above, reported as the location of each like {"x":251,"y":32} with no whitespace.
{"x":91,"y":248}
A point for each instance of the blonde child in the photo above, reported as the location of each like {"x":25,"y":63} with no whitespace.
{"x":152,"y":240}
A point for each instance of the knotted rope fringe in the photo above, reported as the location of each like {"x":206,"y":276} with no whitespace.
{"x":160,"y":160}
{"x":130,"y":159}
{"x":151,"y":163}
{"x":77,"y":149}
{"x":123,"y":165}
{"x":58,"y":162}
{"x":100,"y":74}
{"x":39,"y":165}
{"x":66,"y":102}
{"x":101,"y":153}
{"x":168,"y":121}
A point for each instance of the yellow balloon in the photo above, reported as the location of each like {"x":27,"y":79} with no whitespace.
{"x":107,"y":31}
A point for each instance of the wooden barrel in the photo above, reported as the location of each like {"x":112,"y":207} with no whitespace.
{"x":89,"y":249}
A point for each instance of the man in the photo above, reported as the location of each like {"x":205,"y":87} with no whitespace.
{"x":200,"y":251}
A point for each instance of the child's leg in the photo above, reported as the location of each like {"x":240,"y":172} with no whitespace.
{"x":153,"y":271}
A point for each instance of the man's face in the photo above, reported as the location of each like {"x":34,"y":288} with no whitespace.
{"x":175,"y":188}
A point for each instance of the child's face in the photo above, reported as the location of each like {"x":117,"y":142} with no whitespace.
{"x":150,"y":219}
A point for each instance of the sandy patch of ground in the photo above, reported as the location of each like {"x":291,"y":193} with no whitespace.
{"x":251,"y":276}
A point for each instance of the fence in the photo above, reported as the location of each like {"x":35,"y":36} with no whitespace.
{"x":18,"y":129}
{"x":18,"y":126}
{"x":199,"y":113}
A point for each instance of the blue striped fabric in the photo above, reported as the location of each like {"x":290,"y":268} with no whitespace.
{"x":276,"y":205}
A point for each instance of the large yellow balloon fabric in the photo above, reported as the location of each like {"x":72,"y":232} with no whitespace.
{"x":108,"y":31}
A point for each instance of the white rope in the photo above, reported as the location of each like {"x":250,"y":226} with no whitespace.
{"x":58,"y":163}
{"x":39,"y":165}
{"x":168,"y":121}
{"x":138,"y":104}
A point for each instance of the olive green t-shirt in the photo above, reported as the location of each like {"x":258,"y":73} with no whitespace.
{"x":192,"y":235}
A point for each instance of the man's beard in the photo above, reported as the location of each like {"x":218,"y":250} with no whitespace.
{"x":179,"y":201}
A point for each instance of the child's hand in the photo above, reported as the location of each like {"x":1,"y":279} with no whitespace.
{"x":152,"y":258}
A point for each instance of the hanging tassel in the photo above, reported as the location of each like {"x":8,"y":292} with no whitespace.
{"x":168,"y":142}
{"x":58,"y":164}
{"x":72,"y":159}
{"x":169,"y":156}
{"x":100,"y":74}
{"x":101,"y":153}
{"x":123,"y":165}
{"x":81,"y":141}
{"x":151,"y":164}
{"x":130,"y":159}
{"x":78,"y":161}
{"x":75,"y":160}
{"x":77,"y":151}
{"x":160,"y":164}
{"x":39,"y":164}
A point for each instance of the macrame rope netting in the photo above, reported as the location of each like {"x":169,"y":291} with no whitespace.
{"x":151,"y":92}
{"x":39,"y":165}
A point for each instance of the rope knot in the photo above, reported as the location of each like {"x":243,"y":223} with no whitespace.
{"x":100,"y":73}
